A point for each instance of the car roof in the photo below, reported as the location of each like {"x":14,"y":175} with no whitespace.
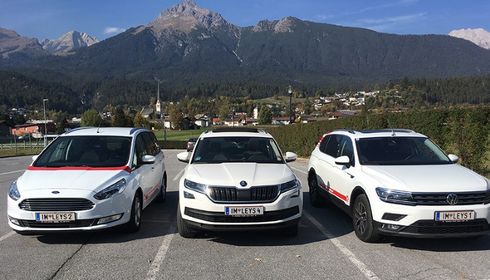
{"x":373,"y":133}
{"x":236,"y":132}
{"x":104,"y":131}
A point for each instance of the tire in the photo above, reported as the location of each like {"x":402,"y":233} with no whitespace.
{"x":134,"y":223}
{"x":162,"y":194}
{"x":362,"y":220}
{"x":183,"y":228}
{"x":314,"y":194}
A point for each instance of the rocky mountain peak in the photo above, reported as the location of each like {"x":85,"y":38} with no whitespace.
{"x":478,"y":36}
{"x":286,"y":24}
{"x":187,"y":16}
{"x":69,"y":42}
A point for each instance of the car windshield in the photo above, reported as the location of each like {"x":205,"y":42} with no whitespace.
{"x":237,"y":149}
{"x":400,"y":151}
{"x":90,"y":151}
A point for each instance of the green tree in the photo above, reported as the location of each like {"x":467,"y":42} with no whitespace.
{"x":119,"y":118}
{"x":91,"y":118}
{"x":265,"y":115}
{"x":139,"y":121}
{"x":60,"y":121}
{"x":176,"y":117}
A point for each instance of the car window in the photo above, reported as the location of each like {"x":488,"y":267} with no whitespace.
{"x":150,"y":145}
{"x":140,"y":150}
{"x":323,"y":144}
{"x":347,"y":148}
{"x":333,"y":147}
{"x":92,"y":151}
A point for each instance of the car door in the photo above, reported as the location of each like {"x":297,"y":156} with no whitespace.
{"x":343,"y":175}
{"x":143,"y":171}
{"x":156,"y":173}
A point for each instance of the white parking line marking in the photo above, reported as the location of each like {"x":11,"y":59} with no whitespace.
{"x":299,"y":170}
{"x":160,"y":256}
{"x":178,"y":175}
{"x":12,"y":172}
{"x":6,"y":236}
{"x":359,"y":264}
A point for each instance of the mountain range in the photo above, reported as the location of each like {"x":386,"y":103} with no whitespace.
{"x":187,"y":45}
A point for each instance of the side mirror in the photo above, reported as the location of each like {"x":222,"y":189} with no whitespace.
{"x":343,"y":160}
{"x":291,"y":157}
{"x":453,"y":158}
{"x":148,"y":159}
{"x":183,"y":157}
{"x":35,"y":157}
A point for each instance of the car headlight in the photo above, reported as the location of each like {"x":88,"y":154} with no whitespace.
{"x":195,"y":186}
{"x":294,"y":184}
{"x":111,"y":190}
{"x":394,"y":196}
{"x":13,"y":191}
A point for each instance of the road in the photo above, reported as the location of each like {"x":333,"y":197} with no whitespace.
{"x":326,"y":248}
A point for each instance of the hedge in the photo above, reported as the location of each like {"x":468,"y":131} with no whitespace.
{"x":173,"y":144}
{"x":461,"y":131}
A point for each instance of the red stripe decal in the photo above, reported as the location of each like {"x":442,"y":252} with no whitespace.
{"x":86,"y":168}
{"x":150,"y":193}
{"x":335,"y":193}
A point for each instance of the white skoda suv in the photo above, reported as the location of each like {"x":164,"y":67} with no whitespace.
{"x":398,"y":182}
{"x":238,"y":179}
{"x":89,"y":179}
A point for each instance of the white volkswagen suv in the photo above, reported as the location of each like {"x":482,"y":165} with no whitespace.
{"x":89,"y":179}
{"x":398,"y":182}
{"x":238,"y":179}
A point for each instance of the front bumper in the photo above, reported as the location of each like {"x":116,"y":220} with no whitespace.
{"x":86,"y":220}
{"x":201,"y":212}
{"x":432,"y":229}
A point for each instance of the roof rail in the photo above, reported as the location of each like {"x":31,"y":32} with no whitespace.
{"x":351,"y":131}
{"x":400,"y":130}
{"x":235,"y":129}
{"x":77,"y":129}
{"x":133,"y":130}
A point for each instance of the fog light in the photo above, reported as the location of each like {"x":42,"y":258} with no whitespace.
{"x":14,"y":221}
{"x":390,"y":227}
{"x":109,"y":219}
{"x":188,"y":195}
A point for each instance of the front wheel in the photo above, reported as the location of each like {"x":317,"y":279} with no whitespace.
{"x":314,"y":192}
{"x":362,"y":220}
{"x":136,"y":209}
{"x":183,"y":228}
{"x":162,"y":194}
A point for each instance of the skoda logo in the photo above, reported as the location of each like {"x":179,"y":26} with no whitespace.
{"x":55,"y":192}
{"x":243,"y":183}
{"x":452,"y":199}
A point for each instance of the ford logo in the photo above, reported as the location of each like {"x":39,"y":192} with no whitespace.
{"x":243,"y":183}
{"x":55,"y":192}
{"x":452,"y":199}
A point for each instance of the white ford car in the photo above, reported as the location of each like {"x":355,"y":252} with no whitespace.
{"x":89,"y":179}
{"x":398,"y":182}
{"x":238,"y":179}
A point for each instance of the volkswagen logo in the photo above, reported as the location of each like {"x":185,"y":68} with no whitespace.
{"x":243,"y":183}
{"x":452,"y":199}
{"x":55,"y":192}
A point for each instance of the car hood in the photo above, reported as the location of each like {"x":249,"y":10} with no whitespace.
{"x":231,"y":174}
{"x":427,"y":178}
{"x":90,"y":180}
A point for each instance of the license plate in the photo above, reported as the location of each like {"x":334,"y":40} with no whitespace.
{"x":58,"y":217}
{"x":244,"y":211}
{"x":454,"y":216}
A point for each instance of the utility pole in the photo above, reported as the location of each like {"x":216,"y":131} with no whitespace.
{"x":290,"y":91}
{"x":45,"y":122}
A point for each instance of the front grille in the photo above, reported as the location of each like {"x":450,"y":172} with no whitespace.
{"x":254,"y":194}
{"x":56,"y":204}
{"x":464,"y":198}
{"x":73,"y":224}
{"x":432,"y":227}
{"x":220,"y":217}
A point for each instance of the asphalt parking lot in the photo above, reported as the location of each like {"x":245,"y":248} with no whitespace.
{"x":326,"y":248}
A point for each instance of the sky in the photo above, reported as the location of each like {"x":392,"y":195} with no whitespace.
{"x":105,"y":18}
